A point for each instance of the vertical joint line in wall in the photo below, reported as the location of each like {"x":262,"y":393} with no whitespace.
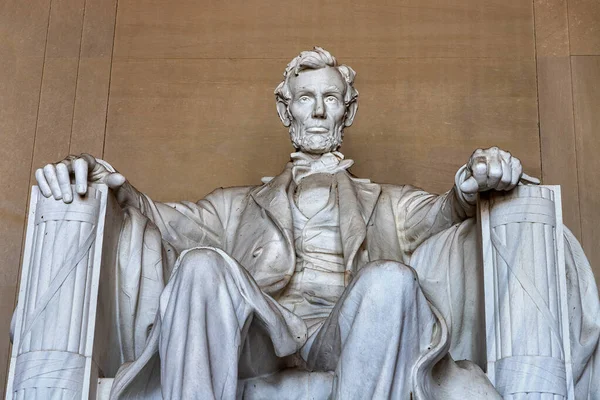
{"x":568,"y":30}
{"x":574,"y":124}
{"x":36,"y":126}
{"x":537,"y":86}
{"x":576,"y":145}
{"x":112,"y":56}
{"x":37,"y":113}
{"x":77,"y":73}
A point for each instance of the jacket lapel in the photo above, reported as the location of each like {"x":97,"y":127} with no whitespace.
{"x":273,"y":198}
{"x":357,"y":199}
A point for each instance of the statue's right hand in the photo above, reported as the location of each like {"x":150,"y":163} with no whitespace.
{"x":55,"y":179}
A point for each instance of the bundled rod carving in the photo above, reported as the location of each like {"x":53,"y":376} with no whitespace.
{"x":55,"y":317}
{"x":528,"y":346}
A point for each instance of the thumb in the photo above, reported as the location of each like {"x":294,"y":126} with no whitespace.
{"x":115,"y":180}
{"x":469,"y":186}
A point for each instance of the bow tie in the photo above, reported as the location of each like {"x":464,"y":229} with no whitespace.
{"x":329,"y":163}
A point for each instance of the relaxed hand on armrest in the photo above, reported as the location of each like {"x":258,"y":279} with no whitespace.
{"x":56,"y":179}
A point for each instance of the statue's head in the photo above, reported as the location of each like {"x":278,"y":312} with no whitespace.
{"x":317,"y":100}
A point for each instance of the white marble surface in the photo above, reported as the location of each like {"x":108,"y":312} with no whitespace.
{"x":104,"y":386}
{"x":314,"y":284}
{"x":55,"y":341}
{"x":527,"y":316}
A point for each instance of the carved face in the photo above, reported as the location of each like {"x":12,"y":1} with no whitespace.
{"x":317,"y":110}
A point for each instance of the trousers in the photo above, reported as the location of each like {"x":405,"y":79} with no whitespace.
{"x":218,"y":328}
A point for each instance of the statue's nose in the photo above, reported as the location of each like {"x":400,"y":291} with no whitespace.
{"x":319,"y":109}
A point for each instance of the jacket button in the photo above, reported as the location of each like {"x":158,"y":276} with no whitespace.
{"x":257,"y":252}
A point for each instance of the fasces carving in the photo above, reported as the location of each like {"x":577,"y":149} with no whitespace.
{"x":314,"y":284}
{"x":528,"y":341}
{"x":55,"y":320}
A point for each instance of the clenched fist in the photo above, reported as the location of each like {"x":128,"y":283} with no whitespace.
{"x":55,"y":179}
{"x":491,"y":169}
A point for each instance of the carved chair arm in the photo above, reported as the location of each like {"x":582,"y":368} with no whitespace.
{"x":63,"y":327}
{"x":526,"y":313}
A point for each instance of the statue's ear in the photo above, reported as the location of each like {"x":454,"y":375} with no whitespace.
{"x":351,"y":113}
{"x":284,"y":115}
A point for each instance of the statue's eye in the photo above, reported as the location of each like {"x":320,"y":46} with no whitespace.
{"x":304,"y":99}
{"x":331,"y":99}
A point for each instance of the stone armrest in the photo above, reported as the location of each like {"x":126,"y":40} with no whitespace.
{"x":525,"y":291}
{"x":63,"y":333}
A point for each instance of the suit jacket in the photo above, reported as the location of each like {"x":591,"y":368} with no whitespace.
{"x":253,"y":224}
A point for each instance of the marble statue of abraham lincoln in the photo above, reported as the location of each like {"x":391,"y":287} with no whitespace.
{"x":307,"y":274}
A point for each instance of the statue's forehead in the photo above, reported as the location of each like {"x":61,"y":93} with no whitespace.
{"x":328,"y":78}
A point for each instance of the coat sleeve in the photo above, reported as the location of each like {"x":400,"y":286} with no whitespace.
{"x":187,"y":224}
{"x":420,"y":215}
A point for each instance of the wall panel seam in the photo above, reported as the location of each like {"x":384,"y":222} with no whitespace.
{"x":574,"y":124}
{"x":77,"y":72}
{"x":577,"y":166}
{"x":112,"y":56}
{"x":537,"y":86}
{"x":28,"y":186}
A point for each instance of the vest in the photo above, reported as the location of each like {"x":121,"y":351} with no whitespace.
{"x":318,"y":280}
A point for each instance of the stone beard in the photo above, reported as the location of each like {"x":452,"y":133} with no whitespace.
{"x":311,"y":142}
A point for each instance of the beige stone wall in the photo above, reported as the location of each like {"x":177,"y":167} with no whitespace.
{"x":178,"y":95}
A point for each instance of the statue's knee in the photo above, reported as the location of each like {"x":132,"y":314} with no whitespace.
{"x":204,"y":265}
{"x":389,"y":277}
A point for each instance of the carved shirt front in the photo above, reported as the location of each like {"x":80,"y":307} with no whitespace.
{"x":318,"y":280}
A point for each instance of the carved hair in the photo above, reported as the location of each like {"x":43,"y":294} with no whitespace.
{"x":315,"y":59}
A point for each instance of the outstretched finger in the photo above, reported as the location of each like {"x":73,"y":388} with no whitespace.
{"x":64,"y":182}
{"x":50,"y":174}
{"x":42,"y":183}
{"x":80,"y":167}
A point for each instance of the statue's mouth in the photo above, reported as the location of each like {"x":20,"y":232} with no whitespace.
{"x":317,"y":129}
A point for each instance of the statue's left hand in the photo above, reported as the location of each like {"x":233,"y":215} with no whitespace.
{"x":491,"y":169}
